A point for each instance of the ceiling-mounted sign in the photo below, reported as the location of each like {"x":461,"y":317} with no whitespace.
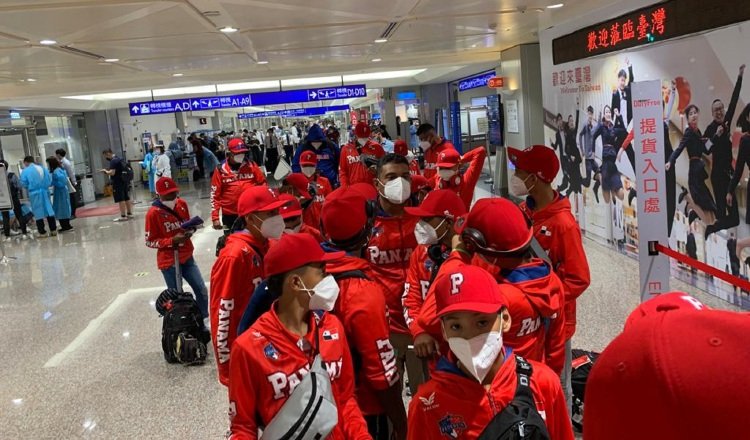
{"x":496,"y":82}
{"x":15,"y":115}
{"x":294,"y":113}
{"x":246,"y":100}
{"x":475,"y":81}
{"x":662,"y":21}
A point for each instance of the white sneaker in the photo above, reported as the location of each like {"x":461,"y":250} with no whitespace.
{"x":120,"y":219}
{"x":6,"y":239}
{"x":130,"y":216}
{"x":45,"y":235}
{"x":27,"y":236}
{"x":14,"y":232}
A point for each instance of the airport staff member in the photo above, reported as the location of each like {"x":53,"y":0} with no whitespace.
{"x":37,"y":180}
{"x":229,"y":181}
{"x":359,"y":157}
{"x":449,"y":176}
{"x":239,"y":268}
{"x":432,"y":145}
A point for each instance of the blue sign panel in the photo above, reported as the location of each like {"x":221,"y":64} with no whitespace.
{"x":246,"y":100}
{"x":293,"y":113}
{"x":473,"y":82}
{"x":456,"y":126}
{"x":493,"y":117}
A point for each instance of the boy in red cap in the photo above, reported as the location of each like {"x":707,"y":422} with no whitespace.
{"x":163,"y":233}
{"x":434,"y":232}
{"x":448,"y":176}
{"x":347,"y":220}
{"x":292,"y":215}
{"x":480,"y":376}
{"x":276,"y":353}
{"x":420,"y":187}
{"x":496,"y":236}
{"x":239,"y":268}
{"x":322,"y":187}
{"x":556,"y":230}
{"x":358,"y":157}
{"x":681,"y":364}
{"x":432,"y":145}
{"x":400,"y":148}
{"x":232,"y":177}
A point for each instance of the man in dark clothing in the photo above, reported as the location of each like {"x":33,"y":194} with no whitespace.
{"x":734,"y":260}
{"x":622,"y":105}
{"x":327,"y":152}
{"x":118,"y":176}
{"x":719,"y":133}
{"x":14,"y":187}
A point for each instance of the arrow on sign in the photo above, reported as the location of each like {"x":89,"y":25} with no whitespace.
{"x":313,"y":95}
{"x":134,"y":109}
{"x":196,"y":104}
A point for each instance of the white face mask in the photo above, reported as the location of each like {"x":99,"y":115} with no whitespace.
{"x":446,"y":174}
{"x":316,"y":145}
{"x":272,"y":227}
{"x":426,"y":234}
{"x":293,"y":230}
{"x":518,"y":186}
{"x":308,"y":171}
{"x":425,"y":145}
{"x":324,"y":294}
{"x":397,"y":191}
{"x":239,"y":158}
{"x":362,"y":141}
{"x":169,"y":203}
{"x":477,"y":354}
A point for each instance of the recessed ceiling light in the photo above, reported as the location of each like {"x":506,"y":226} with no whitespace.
{"x":376,"y":60}
{"x":473,"y":45}
{"x":177,"y":74}
{"x":381,"y":40}
{"x":228,"y":29}
{"x":31,"y":80}
{"x":111,"y":60}
{"x":555,"y":6}
{"x":48,"y":42}
{"x":262,"y":62}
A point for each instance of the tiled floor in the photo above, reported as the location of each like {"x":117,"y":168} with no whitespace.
{"x":81,"y":340}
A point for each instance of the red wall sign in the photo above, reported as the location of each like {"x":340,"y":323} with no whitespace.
{"x":497,"y":82}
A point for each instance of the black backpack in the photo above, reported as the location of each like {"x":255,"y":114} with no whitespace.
{"x":183,"y":337}
{"x":520,"y":420}
{"x":582,"y":363}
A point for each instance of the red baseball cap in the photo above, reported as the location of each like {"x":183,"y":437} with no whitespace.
{"x":344,"y":215}
{"x":166,"y":185}
{"x":504,"y":227}
{"x":419,"y":183}
{"x":400,"y":147}
{"x":293,"y":251}
{"x":468,"y":289}
{"x":309,"y":158}
{"x":683,"y":366}
{"x":366,"y":190}
{"x":237,"y":146}
{"x":537,"y":159}
{"x":292,"y":208}
{"x":440,"y":203}
{"x":300,"y":182}
{"x":258,"y":199}
{"x":362,"y":130}
{"x":373,"y":149}
{"x":448,"y":158}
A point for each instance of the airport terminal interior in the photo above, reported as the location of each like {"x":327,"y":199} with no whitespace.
{"x":110,"y":107}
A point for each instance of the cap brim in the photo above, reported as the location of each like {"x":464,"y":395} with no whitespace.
{"x":332,"y":256}
{"x":290,"y":214}
{"x":244,"y":150}
{"x":471,"y":307}
{"x":446,"y":165}
{"x":274,"y":205}
{"x":169,"y":191}
{"x":514,"y":151}
{"x":312,"y":164}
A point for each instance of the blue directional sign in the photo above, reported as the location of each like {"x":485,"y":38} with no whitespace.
{"x":475,"y":81}
{"x":246,"y":100}
{"x":294,"y":113}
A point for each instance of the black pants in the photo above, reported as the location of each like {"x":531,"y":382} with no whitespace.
{"x":228,"y":220}
{"x":19,"y":216}
{"x":272,"y":159}
{"x":73,"y":204}
{"x":65,"y":224}
{"x":289,"y":151}
{"x":377,"y":426}
{"x":201,"y":166}
{"x":50,"y":221}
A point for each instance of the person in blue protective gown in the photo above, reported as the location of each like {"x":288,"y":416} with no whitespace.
{"x":60,"y":198}
{"x":37,"y":180}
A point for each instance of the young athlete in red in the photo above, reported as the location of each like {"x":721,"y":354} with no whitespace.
{"x":400,"y":148}
{"x":320,"y":185}
{"x":477,"y":379}
{"x":228,"y":182}
{"x":432,"y":145}
{"x":239,"y":268}
{"x":448,"y":176}
{"x":271,"y":358}
{"x":358,"y":157}
{"x":292,"y":215}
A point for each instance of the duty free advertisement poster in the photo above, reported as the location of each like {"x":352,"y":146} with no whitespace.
{"x":705,"y":92}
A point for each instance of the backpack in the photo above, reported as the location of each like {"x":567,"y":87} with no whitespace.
{"x":520,"y":420}
{"x":129,"y":173}
{"x":183,"y":338}
{"x":582,"y":363}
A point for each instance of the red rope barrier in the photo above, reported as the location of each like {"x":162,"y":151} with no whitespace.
{"x":731,"y":279}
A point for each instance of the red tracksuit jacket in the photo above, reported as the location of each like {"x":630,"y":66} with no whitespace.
{"x":267,"y":364}
{"x":351,"y":168}
{"x":236,"y":273}
{"x":453,"y":406}
{"x":311,"y":215}
{"x":533,"y":292}
{"x":389,"y":251}
{"x":431,"y":158}
{"x":558,"y":233}
{"x":361,"y":307}
{"x":418,"y":280}
{"x":161,"y":226}
{"x":465,"y":184}
{"x":414,"y":167}
{"x":227,"y":186}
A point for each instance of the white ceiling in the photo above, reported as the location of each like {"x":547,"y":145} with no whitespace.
{"x":298,"y":38}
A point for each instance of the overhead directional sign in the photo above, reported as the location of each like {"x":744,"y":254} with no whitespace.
{"x":246,"y":100}
{"x":294,"y":113}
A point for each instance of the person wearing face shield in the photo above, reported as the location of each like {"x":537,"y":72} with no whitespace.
{"x":229,"y":181}
{"x":292,"y":215}
{"x":481,"y":375}
{"x":359,"y":157}
{"x":239,"y":268}
{"x":163,"y":233}
{"x":277,"y":351}
{"x":347,"y":220}
{"x":400,"y":148}
{"x":449,"y":176}
{"x":432,"y":145}
{"x":327,"y":154}
{"x":496,"y":236}
{"x":438,"y":214}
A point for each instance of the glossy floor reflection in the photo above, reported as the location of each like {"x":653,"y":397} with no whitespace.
{"x":81,"y":340}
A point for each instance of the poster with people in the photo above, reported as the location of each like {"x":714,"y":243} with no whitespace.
{"x":588,"y":121}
